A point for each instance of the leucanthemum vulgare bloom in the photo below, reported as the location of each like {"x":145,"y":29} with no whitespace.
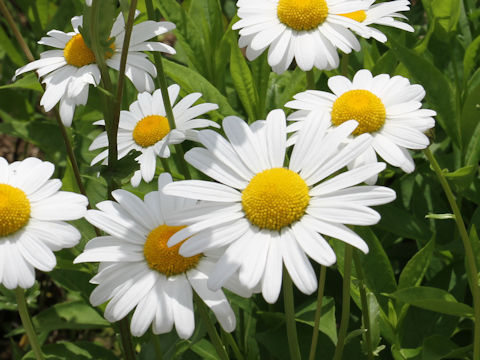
{"x":266,"y":214}
{"x":384,"y":13}
{"x":145,"y":128}
{"x":69,"y":70}
{"x":389,"y":109}
{"x":32,"y":215}
{"x":138,"y":270}
{"x":310,"y":31}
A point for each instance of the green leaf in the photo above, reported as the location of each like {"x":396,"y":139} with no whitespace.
{"x":469,"y":126}
{"x":328,"y":324}
{"x":433,"y":299}
{"x":438,"y":89}
{"x":82,"y":350}
{"x":413,"y":273}
{"x":379,"y":276}
{"x":191,"y":82}
{"x":29,"y":82}
{"x":281,"y":88}
{"x":471,"y":57}
{"x":462,"y":178}
{"x":445,"y":13}
{"x":205,"y":349}
{"x":10,"y":49}
{"x":69,"y":315}
{"x":437,"y":347}
{"x":243,"y":80}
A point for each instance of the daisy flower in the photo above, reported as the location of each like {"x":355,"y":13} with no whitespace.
{"x":68,"y":70}
{"x":383,"y":14}
{"x":308,"y":30}
{"x":266,"y":214}
{"x":32,"y":215}
{"x":145,"y":128}
{"x":389,"y":109}
{"x":138,"y":270}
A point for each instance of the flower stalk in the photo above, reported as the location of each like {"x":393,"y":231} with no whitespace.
{"x":27,"y":323}
{"x":318,"y":312}
{"x":471,"y":269}
{"x":342,"y":333}
{"x":126,"y":337}
{"x":290,"y":316}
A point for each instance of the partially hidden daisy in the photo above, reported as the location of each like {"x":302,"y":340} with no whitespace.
{"x":32,"y":220}
{"x":138,"y":271}
{"x":310,"y":31}
{"x":145,"y":128}
{"x":69,"y":70}
{"x":389,"y":109}
{"x":267,"y":214}
{"x":384,"y":13}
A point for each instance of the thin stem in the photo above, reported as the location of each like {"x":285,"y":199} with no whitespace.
{"x":290,"y":316}
{"x":310,"y":80}
{"x":363,"y":300}
{"x":27,"y":323}
{"x":342,"y":333}
{"x":318,"y":311}
{"x":470,"y":257}
{"x":181,"y":163}
{"x":158,"y":347}
{"x":16,"y":32}
{"x":344,"y":64}
{"x":212,"y":332}
{"x":126,"y":337}
{"x":233,"y":344}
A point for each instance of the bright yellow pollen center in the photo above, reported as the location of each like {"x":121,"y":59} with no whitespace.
{"x":275,"y":198}
{"x":302,"y":15}
{"x":362,"y":106}
{"x":359,"y":15}
{"x":150,"y":130}
{"x":77,"y":53}
{"x":14,"y":209}
{"x":164,"y":259}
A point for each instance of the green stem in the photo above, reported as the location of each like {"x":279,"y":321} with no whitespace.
{"x":363,"y":300}
{"x":318,"y":311}
{"x":233,"y":344}
{"x":344,"y":64}
{"x":470,"y":257}
{"x":158,"y":347}
{"x":126,"y":337}
{"x":181,"y":163}
{"x":16,"y":32}
{"x":27,"y":323}
{"x":310,"y":80}
{"x":290,"y":316}
{"x":342,"y":333}
{"x":212,"y":332}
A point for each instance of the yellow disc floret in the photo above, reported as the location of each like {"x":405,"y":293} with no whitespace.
{"x":77,"y":53}
{"x":359,"y":15}
{"x":164,"y":259}
{"x":150,"y":130}
{"x":302,"y":15}
{"x":362,"y":106}
{"x":275,"y":198}
{"x":14,"y":209}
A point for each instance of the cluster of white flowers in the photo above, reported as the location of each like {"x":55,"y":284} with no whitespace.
{"x":262,"y":211}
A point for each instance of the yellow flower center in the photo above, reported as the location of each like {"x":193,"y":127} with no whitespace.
{"x":77,"y":53}
{"x":275,"y":198}
{"x":359,"y":15}
{"x":164,"y":259}
{"x":150,"y":130}
{"x":14,"y":209}
{"x":362,"y":106}
{"x":302,"y":14}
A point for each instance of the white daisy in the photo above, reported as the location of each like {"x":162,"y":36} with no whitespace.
{"x":139,"y":271}
{"x":32,"y":215}
{"x":266,"y":214}
{"x":145,"y":128}
{"x":68,"y":71}
{"x":384,"y":13}
{"x":389,"y":109}
{"x":308,"y":30}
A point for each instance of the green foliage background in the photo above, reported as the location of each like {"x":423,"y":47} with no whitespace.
{"x":419,"y":302}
